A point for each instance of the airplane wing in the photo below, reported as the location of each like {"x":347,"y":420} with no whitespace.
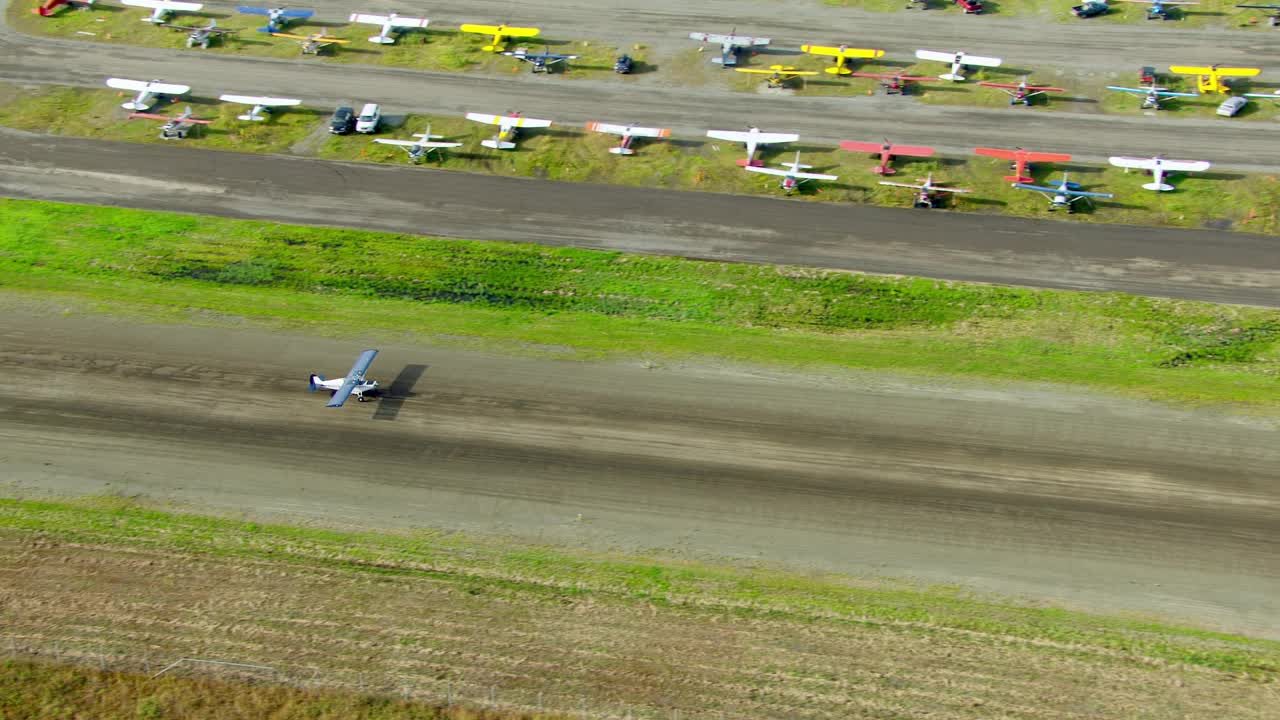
{"x":154,"y":87}
{"x":1223,"y":71}
{"x":1136,"y":163}
{"x":788,"y":73}
{"x":628,"y":130}
{"x":935,"y":55}
{"x":981,"y":61}
{"x":787,"y":173}
{"x":1026,"y":155}
{"x":905,"y":185}
{"x":527,"y":122}
{"x":250,"y":10}
{"x":417,"y":143}
{"x":905,"y":150}
{"x":147,"y":116}
{"x":759,"y":137}
{"x":354,"y":377}
{"x":298,"y":14}
{"x":737,"y":40}
{"x":1061,"y":191}
{"x":397,"y":21}
{"x":520,"y":32}
{"x":480,"y":29}
{"x":165,"y":5}
{"x":837,"y":52}
{"x":1045,"y":157}
{"x":256,"y":100}
{"x":937,"y":188}
{"x":1034,"y":88}
{"x":1185,"y":165}
{"x":485,"y":118}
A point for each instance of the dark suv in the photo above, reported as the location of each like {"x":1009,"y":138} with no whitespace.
{"x":623,"y":65}
{"x":343,"y":121}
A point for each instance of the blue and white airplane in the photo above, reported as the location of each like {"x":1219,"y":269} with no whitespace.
{"x":353,"y":384}
{"x":1159,"y":9}
{"x":1063,"y":194}
{"x":277,"y":18}
{"x":1152,"y":95}
{"x":542,"y":61}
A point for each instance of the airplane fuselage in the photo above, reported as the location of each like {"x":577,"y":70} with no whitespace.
{"x":336,"y":383}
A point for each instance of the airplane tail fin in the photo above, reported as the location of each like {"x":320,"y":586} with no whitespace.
{"x":953,"y":77}
{"x":314,"y":381}
{"x":619,"y":150}
{"x":498,"y":144}
{"x":1161,"y":187}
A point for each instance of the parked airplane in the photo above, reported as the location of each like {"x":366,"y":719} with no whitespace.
{"x":508,"y":128}
{"x":628,"y":133}
{"x":499,"y":32}
{"x":778,"y":74}
{"x":312,"y":44}
{"x":1152,"y":95}
{"x":174,"y":128}
{"x":1159,"y":9}
{"x":753,"y":138}
{"x":422,"y":147}
{"x":843,"y":56}
{"x":731,"y":45}
{"x":262,"y":106}
{"x":1022,"y":93}
{"x":1020,"y":160}
{"x":792,"y":177}
{"x":162,"y":10}
{"x":926,"y":195}
{"x":958,"y":60}
{"x":355,"y":382}
{"x":886,"y":150}
{"x":542,"y":61}
{"x":1158,"y":166}
{"x":893,"y":84}
{"x":277,"y":18}
{"x":1062,"y":195}
{"x":147,"y":92}
{"x":202,"y":36}
{"x":1210,"y":77}
{"x":392,"y":25}
{"x":1275,"y":12}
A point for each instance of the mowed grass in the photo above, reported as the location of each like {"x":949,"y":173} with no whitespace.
{"x":605,"y":304}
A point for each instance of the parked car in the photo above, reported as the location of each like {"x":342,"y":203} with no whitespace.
{"x":624,"y":64}
{"x":343,"y":121}
{"x":370,"y":117}
{"x":1147,"y":75}
{"x":1232,"y":105}
{"x":1091,"y":8}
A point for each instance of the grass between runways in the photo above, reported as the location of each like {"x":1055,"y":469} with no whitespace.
{"x":608,"y":304}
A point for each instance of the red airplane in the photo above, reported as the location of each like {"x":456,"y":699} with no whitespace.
{"x":1020,"y":159}
{"x":886,"y":150}
{"x":1022,"y":93}
{"x":897,"y":84}
{"x":49,"y":7}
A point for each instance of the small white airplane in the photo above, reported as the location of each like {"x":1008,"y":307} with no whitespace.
{"x":392,"y":25}
{"x":353,"y":384}
{"x":958,"y":62}
{"x":925,"y":195}
{"x":162,"y":10}
{"x":1151,"y":96}
{"x":753,"y":138}
{"x":1158,"y":166}
{"x":628,"y":132}
{"x":730,"y":45}
{"x":1063,"y":194}
{"x":261,"y":105}
{"x":508,"y":128}
{"x":148,"y":92}
{"x":422,"y":147}
{"x":792,"y":178}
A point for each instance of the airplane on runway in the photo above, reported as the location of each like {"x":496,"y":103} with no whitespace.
{"x":312,"y":44}
{"x":277,"y":18}
{"x":508,"y":128}
{"x":355,"y":382}
{"x":753,"y":138}
{"x":792,"y":177}
{"x":162,"y":10}
{"x":202,"y":36}
{"x":1210,"y":77}
{"x":1062,"y":195}
{"x":422,"y":147}
{"x":1275,"y":12}
{"x":392,"y":25}
{"x":894,"y":84}
{"x":1159,"y":9}
{"x":1158,"y":166}
{"x":174,"y":128}
{"x":147,"y":92}
{"x":1020,"y":160}
{"x":542,"y":61}
{"x":1022,"y":93}
{"x":628,"y":132}
{"x":778,"y":74}
{"x":499,"y":32}
{"x":262,"y":106}
{"x":1152,"y":95}
{"x":959,"y":60}
{"x":926,"y":193}
{"x":842,"y":55}
{"x":886,"y":151}
{"x":731,"y":45}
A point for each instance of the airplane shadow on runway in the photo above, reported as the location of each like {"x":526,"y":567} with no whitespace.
{"x":400,"y":389}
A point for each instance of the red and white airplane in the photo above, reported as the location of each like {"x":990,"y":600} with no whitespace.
{"x":174,"y":128}
{"x":894,"y":84}
{"x":886,"y":150}
{"x":753,"y":138}
{"x":792,"y":177}
{"x":1022,"y":93}
{"x":1020,"y":159}
{"x":628,"y":132}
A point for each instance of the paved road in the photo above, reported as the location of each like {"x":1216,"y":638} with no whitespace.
{"x":691,"y":110}
{"x":1224,"y":267}
{"x":1096,"y":503}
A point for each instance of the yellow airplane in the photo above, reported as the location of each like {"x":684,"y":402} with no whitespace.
{"x":311,"y":44}
{"x":842,"y":55}
{"x":778,"y":74}
{"x":499,"y":32}
{"x":1210,"y":79}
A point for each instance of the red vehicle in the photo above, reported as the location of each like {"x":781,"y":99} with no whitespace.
{"x":1147,"y":75}
{"x":970,"y":7}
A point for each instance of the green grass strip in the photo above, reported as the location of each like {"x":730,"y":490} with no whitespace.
{"x":609,"y":304}
{"x":753,"y":593}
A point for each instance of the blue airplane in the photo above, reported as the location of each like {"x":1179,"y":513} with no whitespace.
{"x":1159,"y":9}
{"x":277,"y":18}
{"x":1063,"y":194}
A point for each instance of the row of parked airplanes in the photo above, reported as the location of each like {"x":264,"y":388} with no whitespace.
{"x":1063,"y":194}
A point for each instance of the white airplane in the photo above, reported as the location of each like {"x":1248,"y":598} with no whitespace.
{"x":730,"y":45}
{"x":792,"y":178}
{"x":925,"y":196}
{"x":161,"y":10}
{"x":1158,"y":166}
{"x":958,"y":62}
{"x":353,"y":384}
{"x":148,"y":92}
{"x":628,"y":132}
{"x":752,"y":137}
{"x":508,"y":128}
{"x":261,"y":105}
{"x":1152,"y":95}
{"x":391,"y":24}
{"x":420,"y":148}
